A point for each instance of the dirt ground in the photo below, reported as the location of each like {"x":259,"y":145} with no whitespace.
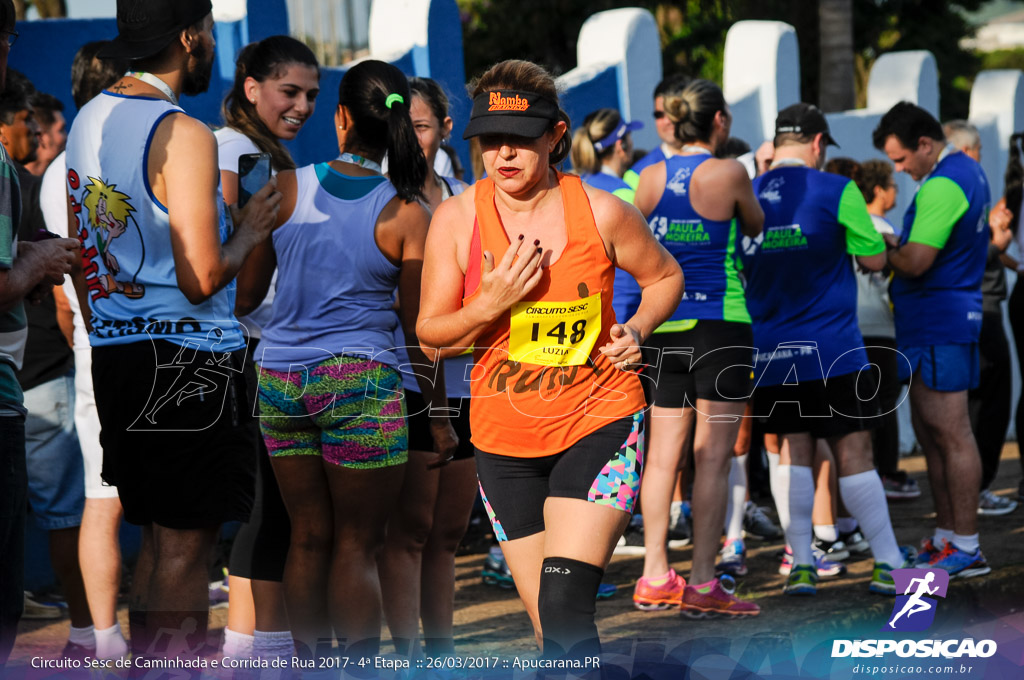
{"x":489,"y":619}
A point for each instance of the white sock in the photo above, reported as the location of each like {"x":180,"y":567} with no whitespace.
{"x":237,"y":645}
{"x":737,"y":498}
{"x":793,"y":489}
{"x":110,"y":642}
{"x":864,"y":497}
{"x":271,"y":644}
{"x":87,"y":638}
{"x":968,"y":544}
{"x":846,"y":525}
{"x":940,"y":536}
{"x":773,"y":463}
{"x":826,"y":532}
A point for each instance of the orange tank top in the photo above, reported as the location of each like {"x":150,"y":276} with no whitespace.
{"x":541,"y":382}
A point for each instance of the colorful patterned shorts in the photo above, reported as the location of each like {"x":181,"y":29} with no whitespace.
{"x":603,"y":468}
{"x":348,"y":410}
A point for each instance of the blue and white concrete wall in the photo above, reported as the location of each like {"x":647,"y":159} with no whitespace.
{"x":618,"y":65}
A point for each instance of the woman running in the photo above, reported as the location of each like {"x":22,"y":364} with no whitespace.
{"x":417,"y":567}
{"x":332,"y":415}
{"x":276,"y":84}
{"x":697,"y":206}
{"x":521,"y":265}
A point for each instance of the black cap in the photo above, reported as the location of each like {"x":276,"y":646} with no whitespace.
{"x":511,"y":112}
{"x":803,"y":119}
{"x":144,"y":27}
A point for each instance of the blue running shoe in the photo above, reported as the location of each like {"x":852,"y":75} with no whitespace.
{"x":734,"y":559}
{"x":826,"y":568}
{"x":496,"y":571}
{"x":606,"y":590}
{"x":958,"y":563}
{"x":928,"y":551}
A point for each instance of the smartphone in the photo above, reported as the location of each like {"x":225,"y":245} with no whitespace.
{"x":253,"y":173}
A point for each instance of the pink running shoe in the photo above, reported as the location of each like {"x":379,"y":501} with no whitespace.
{"x":650,"y":598}
{"x":716,"y":598}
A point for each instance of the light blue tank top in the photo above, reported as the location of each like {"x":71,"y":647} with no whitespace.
{"x":335,"y":289}
{"x":126,"y":239}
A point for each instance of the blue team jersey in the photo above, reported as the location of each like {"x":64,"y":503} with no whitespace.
{"x":801,"y":290}
{"x":627,"y":291}
{"x":705,"y":250}
{"x":949,"y":212}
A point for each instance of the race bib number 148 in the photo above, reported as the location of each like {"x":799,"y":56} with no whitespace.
{"x":555,"y":333}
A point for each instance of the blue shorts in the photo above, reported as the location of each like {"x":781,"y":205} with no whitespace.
{"x":943,"y":368}
{"x":56,"y":474}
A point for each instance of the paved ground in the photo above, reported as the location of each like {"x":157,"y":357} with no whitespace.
{"x":489,"y":619}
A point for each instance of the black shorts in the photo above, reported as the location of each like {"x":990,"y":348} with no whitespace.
{"x":178,"y":432}
{"x":419,"y":424}
{"x":834,"y":408}
{"x":713,"y":361}
{"x":260,"y":548}
{"x":604,"y":468}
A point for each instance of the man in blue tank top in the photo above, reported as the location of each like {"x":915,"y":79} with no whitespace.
{"x":802,"y":298}
{"x":159,"y":263}
{"x":939,"y":263}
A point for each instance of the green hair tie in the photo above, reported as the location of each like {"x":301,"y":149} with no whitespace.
{"x":392,"y":98}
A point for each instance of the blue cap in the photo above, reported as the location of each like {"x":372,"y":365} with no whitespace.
{"x":620,"y":131}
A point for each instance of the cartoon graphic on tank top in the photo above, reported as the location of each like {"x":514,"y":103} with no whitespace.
{"x":110,"y":214}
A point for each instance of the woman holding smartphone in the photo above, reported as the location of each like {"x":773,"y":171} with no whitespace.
{"x":346,"y":238}
{"x":277,"y":81}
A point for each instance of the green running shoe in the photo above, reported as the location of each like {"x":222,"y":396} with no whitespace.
{"x":803,"y":580}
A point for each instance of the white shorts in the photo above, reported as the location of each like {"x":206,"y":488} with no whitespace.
{"x":87,"y":422}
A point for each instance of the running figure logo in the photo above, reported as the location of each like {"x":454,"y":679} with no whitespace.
{"x":914,"y":610}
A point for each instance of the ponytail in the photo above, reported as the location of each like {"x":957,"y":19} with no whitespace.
{"x":1014,"y":179}
{"x":693,"y":110}
{"x":406,"y":165}
{"x":378,"y":98}
{"x":596,"y":126}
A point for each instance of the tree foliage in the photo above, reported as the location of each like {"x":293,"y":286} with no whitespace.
{"x":693,"y":35}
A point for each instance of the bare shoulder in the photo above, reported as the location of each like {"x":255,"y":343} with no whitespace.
{"x":615,"y":218}
{"x":719,"y":175}
{"x":728,"y":169}
{"x":458,"y":211}
{"x":608,"y":208}
{"x":404,"y":214}
{"x":654,"y":173}
{"x":286,"y":178}
{"x":181,"y":131}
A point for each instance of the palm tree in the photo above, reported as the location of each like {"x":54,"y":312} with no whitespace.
{"x":836,"y":84}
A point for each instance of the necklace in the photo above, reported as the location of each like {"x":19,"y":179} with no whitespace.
{"x":159,"y":84}
{"x":347,"y":157}
{"x":695,"y":149}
